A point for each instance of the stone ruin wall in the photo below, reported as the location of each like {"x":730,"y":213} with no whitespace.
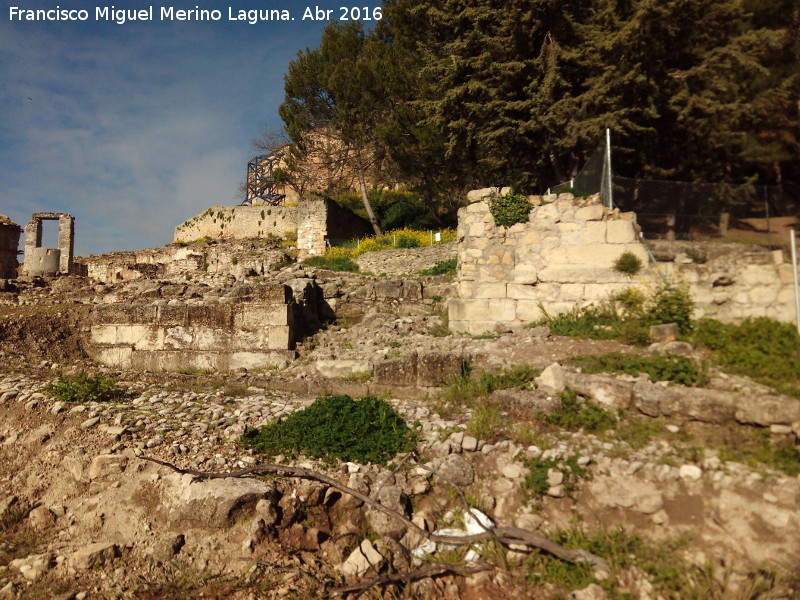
{"x":562,"y":259}
{"x":199,"y":262}
{"x":9,"y":242}
{"x":732,"y":282}
{"x":238,"y":222}
{"x":256,"y":329}
{"x":314,"y":221}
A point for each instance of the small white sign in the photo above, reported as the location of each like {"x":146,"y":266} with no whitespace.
{"x":438,"y":236}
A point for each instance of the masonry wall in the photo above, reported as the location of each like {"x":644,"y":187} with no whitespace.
{"x":561,"y":259}
{"x":730,"y":282}
{"x":9,"y":242}
{"x":321,"y":220}
{"x":258,"y":330}
{"x":238,"y":222}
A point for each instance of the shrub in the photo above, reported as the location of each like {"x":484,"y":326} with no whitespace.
{"x":672,"y":304}
{"x":510,"y":209}
{"x":337,"y":427}
{"x":405,"y":241}
{"x":332,"y":264}
{"x":628,"y":264}
{"x":677,"y":369}
{"x":82,"y":388}
{"x":445,"y":267}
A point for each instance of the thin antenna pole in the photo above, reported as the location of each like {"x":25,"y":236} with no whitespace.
{"x":608,"y":169}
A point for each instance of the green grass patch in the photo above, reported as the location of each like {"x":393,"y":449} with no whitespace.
{"x":535,"y":485}
{"x":758,"y":448}
{"x":337,"y":427}
{"x":445,"y":267}
{"x":468,"y":387}
{"x":764,"y":349}
{"x":340,"y":263}
{"x":576,"y":415}
{"x":627,"y":316}
{"x":82,"y":388}
{"x":677,"y":369}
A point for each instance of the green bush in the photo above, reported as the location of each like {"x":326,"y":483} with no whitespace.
{"x":761,"y":348}
{"x":406,"y":241}
{"x":628,"y":264}
{"x":672,"y":304}
{"x":445,"y":267}
{"x":536,"y":485}
{"x":337,"y":427}
{"x":510,"y":209}
{"x":677,"y":369}
{"x":82,"y":388}
{"x":332,"y":263}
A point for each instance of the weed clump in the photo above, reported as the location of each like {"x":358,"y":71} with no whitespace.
{"x":677,"y":369}
{"x":337,"y":427}
{"x":628,"y":264}
{"x":575,"y":415}
{"x":445,"y":267}
{"x":341,"y":263}
{"x":82,"y":388}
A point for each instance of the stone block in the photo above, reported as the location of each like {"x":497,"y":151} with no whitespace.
{"x":519,"y":291}
{"x":103,"y":334}
{"x":397,"y":371}
{"x":257,"y":316}
{"x":595,"y":232}
{"x":412,"y":290}
{"x":210,"y":315}
{"x":593,"y":212}
{"x":388,"y":289}
{"x":489,"y":290}
{"x":546,"y":211}
{"x":468,"y":309}
{"x":502,"y":310}
{"x":667,"y":332}
{"x":524,"y":273}
{"x":568,"y":274}
{"x":94,"y":555}
{"x":767,"y":410}
{"x":280,"y":338}
{"x":552,"y":380}
{"x":107,"y":465}
{"x":171,"y":314}
{"x":340,"y":368}
{"x":597,"y":255}
{"x":528,"y":311}
{"x":620,"y":232}
{"x":572,"y":291}
{"x":606,"y":390}
{"x":764,"y":294}
{"x":438,"y":368}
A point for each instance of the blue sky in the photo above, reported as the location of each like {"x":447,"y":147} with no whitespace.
{"x":134,"y":128}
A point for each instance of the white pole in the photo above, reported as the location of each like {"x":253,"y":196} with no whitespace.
{"x":793,"y":242}
{"x":608,"y":169}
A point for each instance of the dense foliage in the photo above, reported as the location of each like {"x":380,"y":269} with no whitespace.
{"x":82,"y":388}
{"x":337,"y":427}
{"x":453,"y":94}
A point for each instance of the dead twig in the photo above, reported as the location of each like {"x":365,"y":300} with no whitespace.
{"x":504,"y":535}
{"x":429,"y":570}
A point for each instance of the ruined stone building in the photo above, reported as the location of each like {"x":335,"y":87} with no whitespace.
{"x":9,"y":242}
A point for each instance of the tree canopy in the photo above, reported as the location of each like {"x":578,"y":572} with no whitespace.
{"x":462,"y":93}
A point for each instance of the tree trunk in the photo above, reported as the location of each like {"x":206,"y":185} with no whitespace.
{"x":363,"y":187}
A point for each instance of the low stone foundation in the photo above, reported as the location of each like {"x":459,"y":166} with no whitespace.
{"x":256,"y":330}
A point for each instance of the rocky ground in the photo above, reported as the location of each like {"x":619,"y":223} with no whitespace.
{"x":85,"y":515}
